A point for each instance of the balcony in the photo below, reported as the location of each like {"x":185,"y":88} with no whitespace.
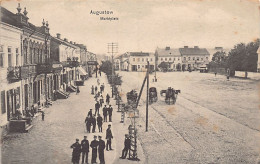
{"x":13,"y":74}
{"x":71,"y":62}
{"x":43,"y":68}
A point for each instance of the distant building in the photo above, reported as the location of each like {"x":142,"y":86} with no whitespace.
{"x":138,"y":61}
{"x":258,"y":61}
{"x":194,"y":58}
{"x":212,"y":51}
{"x":170,"y":56}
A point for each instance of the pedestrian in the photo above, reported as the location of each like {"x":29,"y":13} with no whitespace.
{"x":101,"y":89}
{"x":94,"y":145}
{"x":99,"y":123}
{"x":92,"y":90}
{"x":77,"y":90}
{"x":95,"y":89}
{"x":109,"y":137}
{"x":43,"y":114}
{"x":110,"y":111}
{"x":76,"y":152}
{"x":84,"y":149}
{"x":215,"y":74}
{"x":105,"y":113}
{"x":99,"y":73}
{"x":101,"y":148}
{"x":88,"y":123}
{"x":101,"y":100}
{"x":127,"y":145}
{"x":107,"y":99}
{"x":32,"y":111}
{"x":90,"y":112}
{"x":94,"y":122}
{"x":97,"y":106}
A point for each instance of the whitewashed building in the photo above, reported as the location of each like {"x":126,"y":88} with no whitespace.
{"x":138,"y":61}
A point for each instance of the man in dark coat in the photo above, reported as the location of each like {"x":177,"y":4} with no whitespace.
{"x":105,"y":113}
{"x":99,"y":123}
{"x":94,"y":122}
{"x":101,"y":100}
{"x":90,"y":113}
{"x":109,"y":137}
{"x":88,"y":123}
{"x":101,"y":148}
{"x":76,"y":152}
{"x":126,"y":147}
{"x":95,"y":89}
{"x":92,"y":90}
{"x":107,"y":99}
{"x":97,"y":106}
{"x":94,"y":145}
{"x":85,"y":149}
{"x":110,"y":110}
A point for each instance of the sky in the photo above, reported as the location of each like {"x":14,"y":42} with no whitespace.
{"x":143,"y":25}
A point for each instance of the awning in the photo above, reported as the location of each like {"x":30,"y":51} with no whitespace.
{"x":82,"y":71}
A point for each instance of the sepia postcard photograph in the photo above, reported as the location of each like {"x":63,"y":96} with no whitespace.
{"x":130,"y":81}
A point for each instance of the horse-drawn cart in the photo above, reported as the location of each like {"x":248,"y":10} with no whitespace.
{"x":170,"y":95}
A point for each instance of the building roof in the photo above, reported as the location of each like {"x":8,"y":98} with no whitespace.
{"x":168,"y":52}
{"x":193,"y":51}
{"x":8,"y":17}
{"x":139,"y":53}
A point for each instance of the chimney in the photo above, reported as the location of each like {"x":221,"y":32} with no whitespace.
{"x":71,"y":42}
{"x":74,"y":42}
{"x":196,"y":47}
{"x":65,"y":39}
{"x":186,"y":47}
{"x":167,"y":48}
{"x":58,"y":35}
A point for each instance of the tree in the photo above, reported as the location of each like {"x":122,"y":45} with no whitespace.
{"x":106,"y":67}
{"x":164,"y":66}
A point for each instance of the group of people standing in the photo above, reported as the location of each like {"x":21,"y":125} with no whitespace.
{"x":83,"y":148}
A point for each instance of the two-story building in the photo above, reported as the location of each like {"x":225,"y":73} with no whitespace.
{"x":171,"y":56}
{"x":138,"y":61}
{"x":194,"y":58}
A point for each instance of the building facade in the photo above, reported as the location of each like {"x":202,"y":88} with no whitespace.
{"x":138,"y":61}
{"x":258,"y":60}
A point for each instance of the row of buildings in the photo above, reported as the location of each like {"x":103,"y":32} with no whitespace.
{"x":177,"y":59}
{"x":35,"y":67}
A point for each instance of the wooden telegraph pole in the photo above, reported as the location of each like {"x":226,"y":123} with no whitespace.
{"x":147,"y":96}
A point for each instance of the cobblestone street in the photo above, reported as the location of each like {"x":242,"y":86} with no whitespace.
{"x":49,"y":141}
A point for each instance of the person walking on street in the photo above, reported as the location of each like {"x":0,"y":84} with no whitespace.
{"x":105,"y":113}
{"x":127,"y":145}
{"x":94,"y":122}
{"x":95,"y":89}
{"x":76,"y":152}
{"x":90,"y":113}
{"x":88,"y":123}
{"x":101,"y":100}
{"x":99,"y":123}
{"x":84,"y":149}
{"x":97,"y":106}
{"x":110,"y":111}
{"x":94,"y":145}
{"x":43,"y":114}
{"x":109,"y":137}
{"x":99,"y":73}
{"x":101,"y":90}
{"x":101,"y":148}
{"x":92,"y":90}
{"x":107,"y":99}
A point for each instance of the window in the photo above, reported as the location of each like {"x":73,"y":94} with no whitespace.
{"x":189,"y":58}
{"x":133,"y":59}
{"x":198,"y":58}
{"x":138,"y":59}
{"x":151,"y":59}
{"x":138,"y":66}
{"x":207,"y":58}
{"x":193,"y":58}
{"x":17,"y":56}
{"x":165,"y":59}
{"x":201,"y":58}
{"x":184,"y":58}
{"x":173,"y":59}
{"x":9,"y":57}
{"x":1,"y":56}
{"x":178,"y":58}
{"x":146,"y":59}
{"x":3,"y":102}
{"x":161,"y":59}
{"x":142,"y":59}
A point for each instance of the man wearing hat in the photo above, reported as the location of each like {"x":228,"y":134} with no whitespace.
{"x":85,"y":149}
{"x":127,"y":145}
{"x":90,"y":113}
{"x":76,"y":152}
{"x":101,"y":148}
{"x":110,"y":110}
{"x":109,"y":137}
{"x":94,"y":145}
{"x":105,"y":113}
